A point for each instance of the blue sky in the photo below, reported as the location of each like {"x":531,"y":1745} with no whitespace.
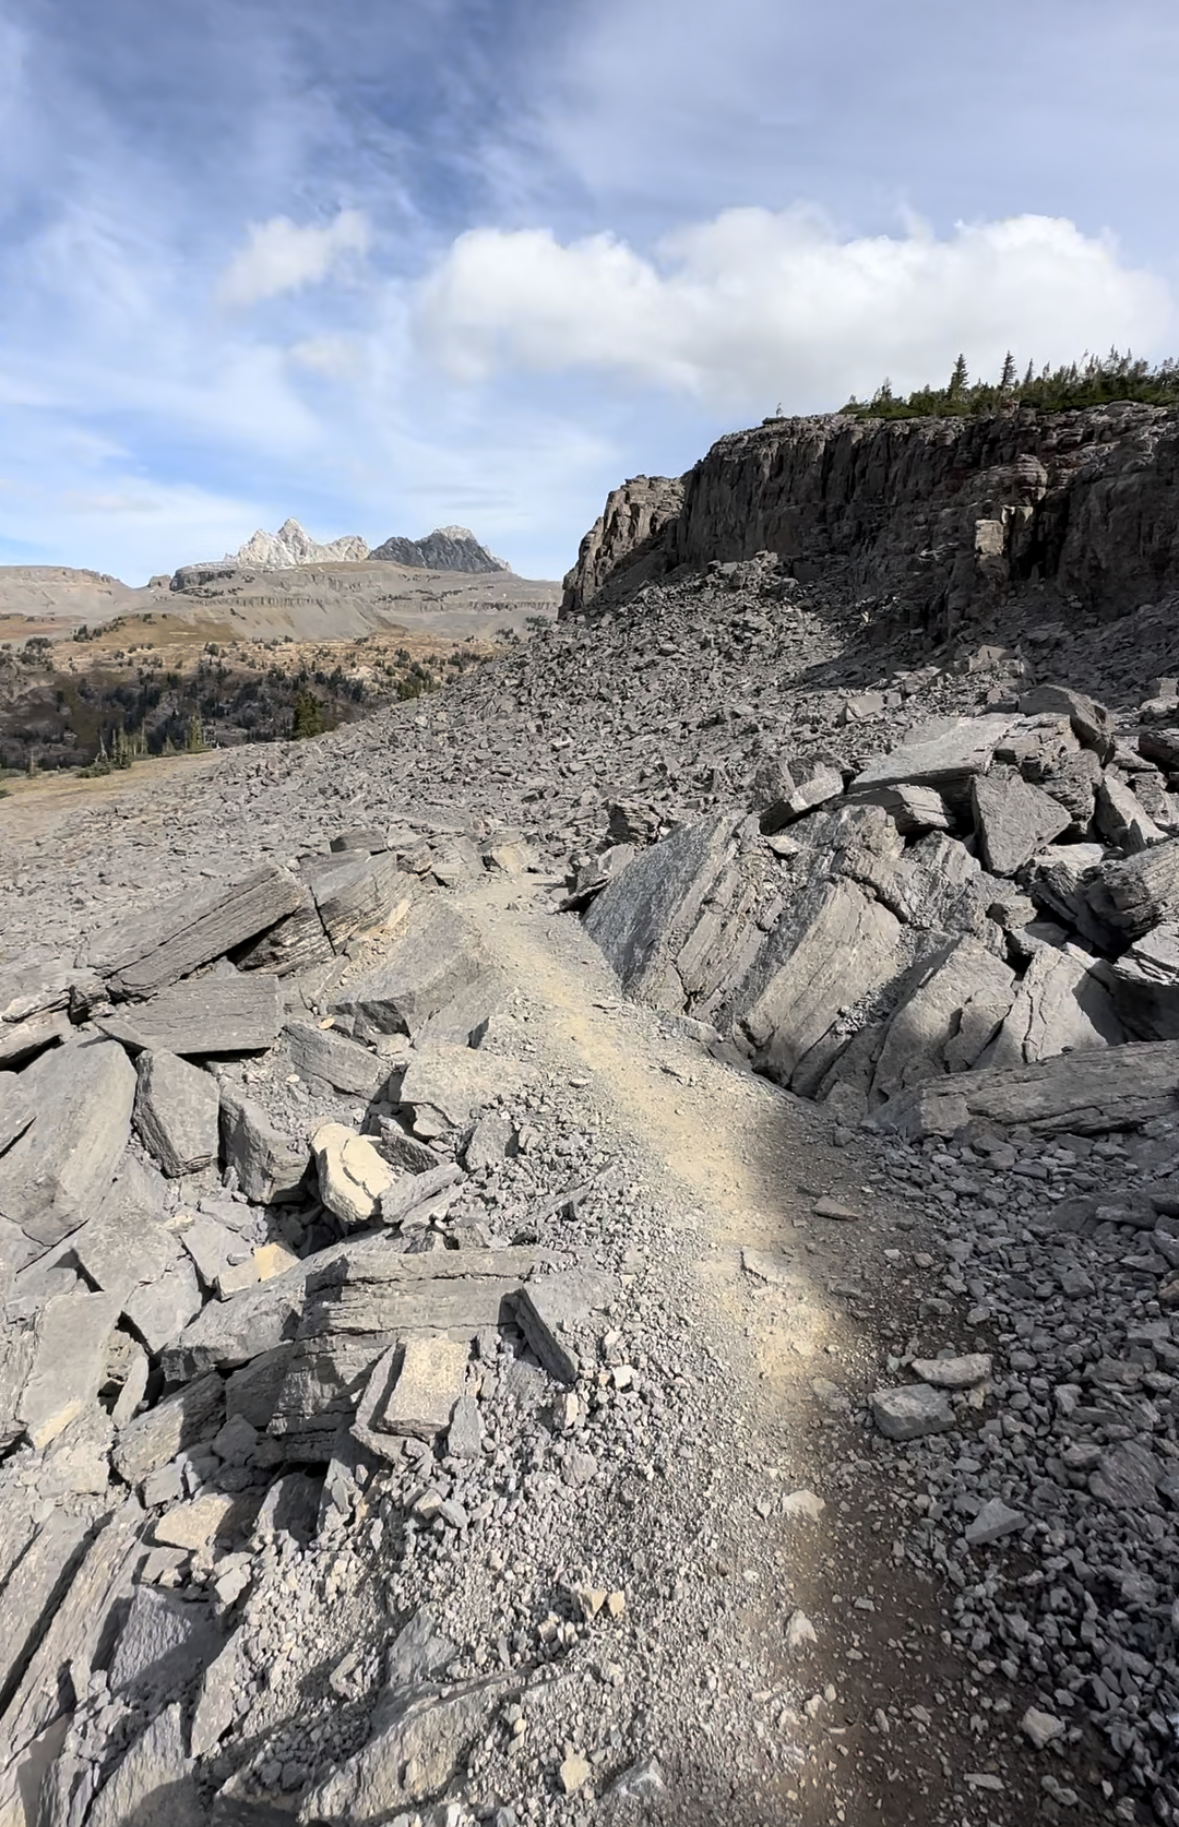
{"x":394,"y":263}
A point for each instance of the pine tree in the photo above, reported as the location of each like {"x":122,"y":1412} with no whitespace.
{"x":194,"y":736}
{"x":307,"y":718}
{"x":959,"y":379}
{"x":1007,"y":378}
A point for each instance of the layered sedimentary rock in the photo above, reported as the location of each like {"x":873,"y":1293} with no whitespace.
{"x":946,"y":514}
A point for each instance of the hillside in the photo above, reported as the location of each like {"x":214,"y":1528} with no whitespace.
{"x":603,"y":1244}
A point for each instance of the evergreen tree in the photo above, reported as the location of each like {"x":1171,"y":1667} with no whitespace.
{"x":194,"y":736}
{"x":307,"y":719}
{"x":1007,"y":378}
{"x":959,"y":379}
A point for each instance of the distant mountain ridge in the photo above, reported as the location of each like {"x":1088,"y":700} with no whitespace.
{"x":446,"y":549}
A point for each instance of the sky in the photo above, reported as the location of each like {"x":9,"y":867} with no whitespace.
{"x":391,"y":264}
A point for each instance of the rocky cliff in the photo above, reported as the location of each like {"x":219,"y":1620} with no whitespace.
{"x":945,"y":517}
{"x":292,"y":545}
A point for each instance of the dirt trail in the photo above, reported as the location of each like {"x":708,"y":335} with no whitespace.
{"x":879,"y":1721}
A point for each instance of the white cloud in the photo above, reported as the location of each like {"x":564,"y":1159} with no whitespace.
{"x":280,"y":256}
{"x":756,"y":306}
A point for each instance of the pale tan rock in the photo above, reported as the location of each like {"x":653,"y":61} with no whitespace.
{"x":273,"y":1259}
{"x":69,"y":1361}
{"x":352,"y":1175}
{"x":194,"y":1525}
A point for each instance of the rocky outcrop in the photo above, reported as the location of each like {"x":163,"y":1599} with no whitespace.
{"x":445,"y":549}
{"x":629,"y":542}
{"x":291,"y":545}
{"x":941,"y":517}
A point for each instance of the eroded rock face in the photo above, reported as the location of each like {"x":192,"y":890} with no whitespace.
{"x":953,"y":513}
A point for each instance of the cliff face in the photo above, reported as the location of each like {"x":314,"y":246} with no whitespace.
{"x":446,"y":549}
{"x":946,"y":516}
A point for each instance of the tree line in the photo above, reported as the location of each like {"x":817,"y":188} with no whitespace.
{"x":1093,"y":381}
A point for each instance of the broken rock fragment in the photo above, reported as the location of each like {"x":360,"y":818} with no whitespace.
{"x":352,"y":1175}
{"x":54,"y":1175}
{"x":268,"y":1164}
{"x":176,"y":1113}
{"x":1014,"y":820}
{"x":911,"y":1412}
{"x":560,"y":1316}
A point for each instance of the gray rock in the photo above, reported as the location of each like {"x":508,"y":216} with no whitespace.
{"x":269,"y":1166}
{"x":644,"y":915}
{"x":30,"y":1598}
{"x":418,"y":1737}
{"x":16,"y":1112}
{"x":1144,"y":984}
{"x":221,"y":1699}
{"x":1013,"y":820}
{"x":207,"y":1016}
{"x":490,"y":1143}
{"x":1060,"y":1006}
{"x":154,"y":1785}
{"x":54,"y":1175}
{"x":954,"y":1373}
{"x":1091,"y":722}
{"x":436,"y":954}
{"x":804,"y":785}
{"x":948,"y":760}
{"x":1127,"y":1477}
{"x":416,"y":1198}
{"x":176,"y":1113}
{"x":914,"y":810}
{"x":162,"y":1644}
{"x":69,"y":1363}
{"x":340,"y":1062}
{"x":1079,"y":1093}
{"x":153,"y":947}
{"x":948,"y":1019}
{"x":994,"y":1520}
{"x":297,"y":943}
{"x":151,"y":1440}
{"x":1122,"y":818}
{"x":417,"y":1390}
{"x":911,"y":1412}
{"x":559,"y":1315}
{"x":359,"y":895}
{"x":1130,"y":897}
{"x":160,"y":1310}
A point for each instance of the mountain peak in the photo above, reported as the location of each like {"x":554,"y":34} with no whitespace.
{"x":445,"y":549}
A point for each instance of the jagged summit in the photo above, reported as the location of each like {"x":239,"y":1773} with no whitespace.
{"x":445,"y":549}
{"x":292,"y":545}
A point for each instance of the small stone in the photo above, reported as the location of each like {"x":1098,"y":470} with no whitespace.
{"x":574,"y":1773}
{"x":1041,"y":1728}
{"x":993,"y":1521}
{"x":831,"y":1208}
{"x":911,"y":1412}
{"x":803,"y":1504}
{"x":954,"y":1373}
{"x":800,"y":1631}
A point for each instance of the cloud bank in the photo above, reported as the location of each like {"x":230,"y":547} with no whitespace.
{"x":757,"y":306}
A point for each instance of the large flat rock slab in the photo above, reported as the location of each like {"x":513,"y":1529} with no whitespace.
{"x":156,"y":946}
{"x":1085,"y":1093}
{"x":948,"y":760}
{"x":1013,"y":819}
{"x":235,"y":1013}
{"x":53,"y":1177}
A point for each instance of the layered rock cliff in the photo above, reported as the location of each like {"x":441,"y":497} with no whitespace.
{"x":445,"y":549}
{"x":943,"y":516}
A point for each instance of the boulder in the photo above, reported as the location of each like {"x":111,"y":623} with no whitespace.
{"x":1144,"y":984}
{"x":71,"y":1335}
{"x":645,"y":913}
{"x":415,"y":1388}
{"x":1122,"y":819}
{"x":152,"y":947}
{"x":1130,"y":897}
{"x":948,"y":759}
{"x":220,"y":1013}
{"x":561,"y":1317}
{"x":803,"y":786}
{"x":356,"y":896}
{"x":436,"y":954}
{"x":176,"y":1113}
{"x":948,"y":1019}
{"x":1060,"y":1005}
{"x":1091,"y":722}
{"x":160,"y":1310}
{"x":155,"y":1783}
{"x":352,"y":1174}
{"x":1057,"y":882}
{"x":1013,"y":820}
{"x":837,"y":946}
{"x":911,"y":1412}
{"x":342,"y":1063}
{"x":54,"y":1175}
{"x":1092,"y":1093}
{"x":269,"y":1166}
{"x":914,"y":810}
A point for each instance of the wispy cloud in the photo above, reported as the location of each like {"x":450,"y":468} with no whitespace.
{"x":284,"y":256}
